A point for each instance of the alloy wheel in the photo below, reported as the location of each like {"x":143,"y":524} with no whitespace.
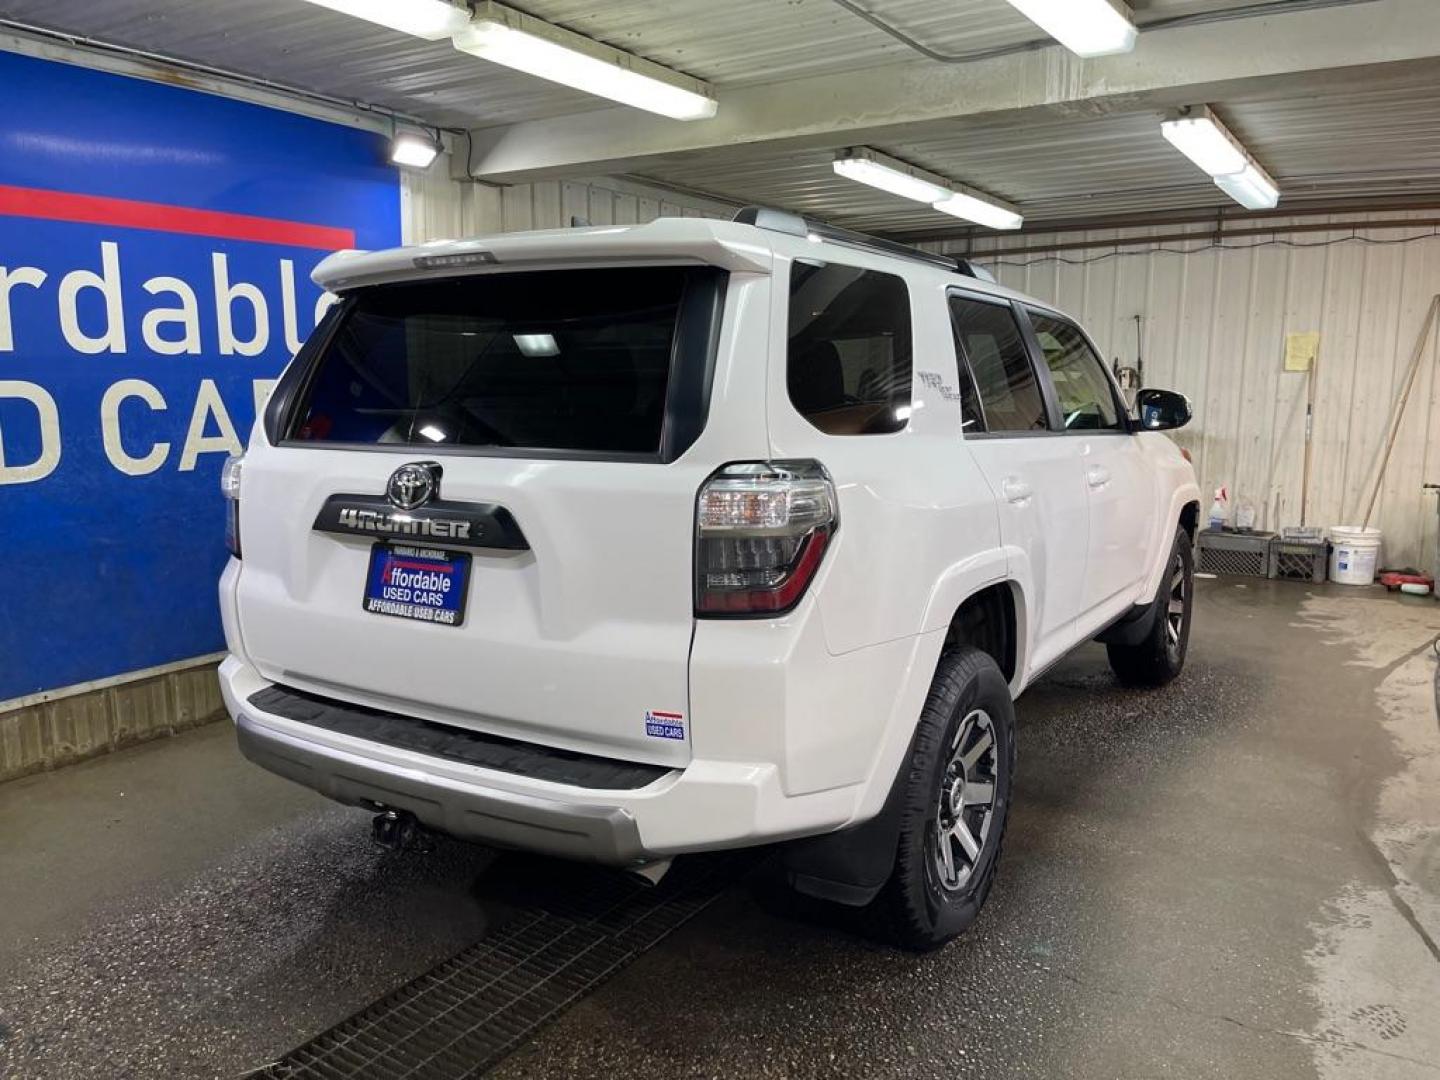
{"x":965,"y":807}
{"x":1179,"y":601}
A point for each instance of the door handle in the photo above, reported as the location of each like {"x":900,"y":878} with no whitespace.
{"x":1016,"y":491}
{"x":1096,"y":476}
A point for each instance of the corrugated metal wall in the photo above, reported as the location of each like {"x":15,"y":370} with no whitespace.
{"x":436,"y":207}
{"x":1213,"y":326}
{"x":60,"y":729}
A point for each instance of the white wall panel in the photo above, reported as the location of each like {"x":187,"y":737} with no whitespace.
{"x":1214,"y":326}
{"x":436,"y":207}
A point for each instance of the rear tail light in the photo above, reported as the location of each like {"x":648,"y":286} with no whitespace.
{"x":230,"y":488}
{"x":761,"y":530}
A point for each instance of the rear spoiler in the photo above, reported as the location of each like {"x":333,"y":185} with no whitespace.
{"x":700,"y":241}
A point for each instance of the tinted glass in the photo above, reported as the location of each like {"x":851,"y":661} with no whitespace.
{"x":1086,"y":401}
{"x":849,"y":365}
{"x":991,"y":343}
{"x":972,"y":417}
{"x":566,"y":360}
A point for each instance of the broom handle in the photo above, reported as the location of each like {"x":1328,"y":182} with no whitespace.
{"x":1309,"y":435}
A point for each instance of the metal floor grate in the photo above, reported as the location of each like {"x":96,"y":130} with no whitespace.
{"x":463,"y":1016}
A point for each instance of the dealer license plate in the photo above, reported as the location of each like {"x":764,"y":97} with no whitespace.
{"x":421,"y":583}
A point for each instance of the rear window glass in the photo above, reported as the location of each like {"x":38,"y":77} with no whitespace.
{"x":991,"y":343}
{"x":562,"y":360}
{"x":849,"y":366}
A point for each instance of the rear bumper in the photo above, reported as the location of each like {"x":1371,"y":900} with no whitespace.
{"x":705,"y":806}
{"x":604,"y":834}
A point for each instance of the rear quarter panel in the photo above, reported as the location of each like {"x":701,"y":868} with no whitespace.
{"x":917,"y":516}
{"x":919,"y":532}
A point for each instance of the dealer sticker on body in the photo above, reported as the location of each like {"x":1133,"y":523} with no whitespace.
{"x":421,"y":583}
{"x":664,"y":725}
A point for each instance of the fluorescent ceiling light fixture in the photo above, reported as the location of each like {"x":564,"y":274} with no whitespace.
{"x":1205,"y":141}
{"x":981,"y":209}
{"x":413,"y":151}
{"x":881,"y":171}
{"x":1085,"y":27}
{"x":1251,"y":187}
{"x":433,"y":433}
{"x":1199,"y":135}
{"x":509,"y":37}
{"x":888,"y":174}
{"x":537,"y":344}
{"x":428,"y":19}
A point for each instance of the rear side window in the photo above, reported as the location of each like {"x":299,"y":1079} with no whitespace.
{"x":991,"y":343}
{"x":1086,"y":400}
{"x":563,"y":360}
{"x":849,"y":361}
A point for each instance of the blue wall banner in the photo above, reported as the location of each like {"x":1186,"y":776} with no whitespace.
{"x":156,"y":245}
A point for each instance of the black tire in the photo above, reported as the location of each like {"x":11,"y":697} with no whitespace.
{"x":918,"y":909}
{"x":1161,"y":655}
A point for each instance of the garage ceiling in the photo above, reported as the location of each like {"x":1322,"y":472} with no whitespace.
{"x":1365,"y":133}
{"x":729,"y":43}
{"x":1354,"y":140}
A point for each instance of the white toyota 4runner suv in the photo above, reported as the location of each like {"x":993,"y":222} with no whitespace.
{"x":619,"y":543}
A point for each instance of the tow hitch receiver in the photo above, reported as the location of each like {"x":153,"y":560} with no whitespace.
{"x":398,"y":830}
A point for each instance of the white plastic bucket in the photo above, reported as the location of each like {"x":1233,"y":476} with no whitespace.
{"x":1354,"y":554}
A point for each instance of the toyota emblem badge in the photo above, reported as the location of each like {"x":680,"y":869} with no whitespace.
{"x":413,"y":485}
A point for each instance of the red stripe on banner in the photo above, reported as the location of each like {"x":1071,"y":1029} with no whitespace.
{"x":407,"y":565}
{"x":133,"y":214}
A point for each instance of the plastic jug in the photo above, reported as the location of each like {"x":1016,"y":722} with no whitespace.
{"x":1219,"y":509}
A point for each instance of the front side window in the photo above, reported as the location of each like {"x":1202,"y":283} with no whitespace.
{"x":571,"y":360}
{"x":990,"y":341}
{"x":848,"y":367}
{"x":1087,"y":403}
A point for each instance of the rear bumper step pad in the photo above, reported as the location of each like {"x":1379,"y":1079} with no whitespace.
{"x":457,"y":744}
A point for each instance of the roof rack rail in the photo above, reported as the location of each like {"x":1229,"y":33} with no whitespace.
{"x":783,"y":221}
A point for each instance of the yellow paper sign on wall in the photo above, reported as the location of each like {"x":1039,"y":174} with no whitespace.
{"x":1300,"y":350}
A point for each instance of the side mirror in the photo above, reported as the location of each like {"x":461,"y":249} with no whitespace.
{"x":1162,"y":410}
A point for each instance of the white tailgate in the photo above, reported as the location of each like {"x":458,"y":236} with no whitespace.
{"x":569,"y":643}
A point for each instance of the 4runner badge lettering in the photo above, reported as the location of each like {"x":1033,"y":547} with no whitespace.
{"x":474,"y":525}
{"x":378,"y":521}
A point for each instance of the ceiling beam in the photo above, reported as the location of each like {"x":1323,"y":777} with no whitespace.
{"x":919,"y":98}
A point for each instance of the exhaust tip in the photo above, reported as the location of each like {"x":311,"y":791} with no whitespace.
{"x":400,"y":830}
{"x":649,"y":874}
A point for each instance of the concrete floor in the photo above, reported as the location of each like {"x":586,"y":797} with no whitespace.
{"x":1236,"y":876}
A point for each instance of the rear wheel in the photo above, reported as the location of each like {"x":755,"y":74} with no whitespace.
{"x":955,"y":804}
{"x":1161,"y":655}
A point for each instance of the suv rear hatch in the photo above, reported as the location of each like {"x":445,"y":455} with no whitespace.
{"x":541,"y":588}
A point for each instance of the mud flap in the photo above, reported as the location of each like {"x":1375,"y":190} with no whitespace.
{"x":850,"y":866}
{"x":1135,"y":625}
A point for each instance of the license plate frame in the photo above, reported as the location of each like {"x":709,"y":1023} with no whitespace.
{"x":419,"y":560}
